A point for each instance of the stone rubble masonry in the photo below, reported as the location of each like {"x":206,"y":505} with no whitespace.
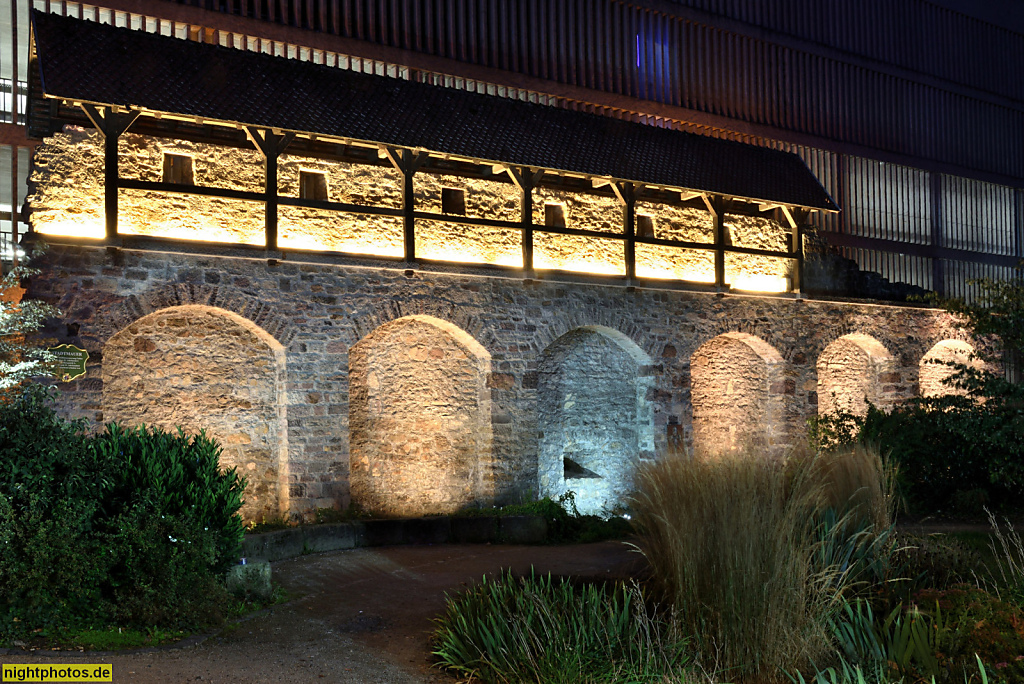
{"x":145,"y":316}
{"x":593,"y":410}
{"x":67,"y":200}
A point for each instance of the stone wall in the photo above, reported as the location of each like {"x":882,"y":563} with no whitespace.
{"x":935,"y":368}
{"x":319,"y":313}
{"x":419,"y":419}
{"x":203,"y":368}
{"x":737,"y":393}
{"x":856,"y":370}
{"x":594,"y":420}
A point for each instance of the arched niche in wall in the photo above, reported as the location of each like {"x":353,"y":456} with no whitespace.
{"x":419,"y":418}
{"x":934,"y":369}
{"x":736,"y":393}
{"x":850,"y":374}
{"x":594,"y":419}
{"x":204,"y":368}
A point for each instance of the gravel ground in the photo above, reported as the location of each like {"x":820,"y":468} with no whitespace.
{"x":359,"y":616}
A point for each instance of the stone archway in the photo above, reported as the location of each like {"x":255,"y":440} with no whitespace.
{"x":735,"y":382}
{"x":850,"y":374}
{"x":204,"y":368}
{"x":934,"y":371}
{"x":594,"y":419}
{"x":419,"y":419}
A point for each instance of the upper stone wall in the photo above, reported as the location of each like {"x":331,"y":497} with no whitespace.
{"x":67,"y":200}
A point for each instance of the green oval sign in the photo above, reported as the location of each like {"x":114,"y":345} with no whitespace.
{"x":70,"y":361}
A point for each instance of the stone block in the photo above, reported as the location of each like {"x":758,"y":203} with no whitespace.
{"x":317,"y":538}
{"x":252,"y":579}
{"x":272,"y":546}
{"x":383,"y":532}
{"x":476,"y":530}
{"x":523,"y":529}
{"x":429,"y":530}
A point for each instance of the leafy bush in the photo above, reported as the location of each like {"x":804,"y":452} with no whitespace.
{"x":130,"y":526}
{"x":535,"y":629}
{"x":733,"y":540}
{"x":943,"y":447}
{"x":935,"y":561}
{"x":979,"y":624}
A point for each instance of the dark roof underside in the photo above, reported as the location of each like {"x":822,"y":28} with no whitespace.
{"x":87,"y":61}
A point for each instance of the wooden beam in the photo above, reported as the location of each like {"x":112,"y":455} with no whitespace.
{"x":526,"y":179}
{"x":111,"y":125}
{"x":270,"y":144}
{"x":716,"y":205}
{"x":626,"y":192}
{"x":798,"y":219}
{"x":407,"y":162}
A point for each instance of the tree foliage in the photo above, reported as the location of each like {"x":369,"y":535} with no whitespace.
{"x":22,"y":354}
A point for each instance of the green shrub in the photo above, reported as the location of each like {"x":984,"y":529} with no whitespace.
{"x":176,"y":476}
{"x":942,"y":447}
{"x":535,"y":629}
{"x":935,"y":561}
{"x":132,"y":527}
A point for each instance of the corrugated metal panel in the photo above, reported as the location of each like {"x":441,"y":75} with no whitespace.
{"x":977,"y":216}
{"x":914,"y":34}
{"x":959,"y":275}
{"x":896,"y":268}
{"x":627,"y":49}
{"x":887,"y":201}
{"x":619,"y":47}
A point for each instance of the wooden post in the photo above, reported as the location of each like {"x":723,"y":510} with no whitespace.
{"x":111,"y":125}
{"x":270,"y":145}
{"x":526,"y":180}
{"x":716,"y":205}
{"x":626,"y":192}
{"x":797,"y":218}
{"x":407,"y":162}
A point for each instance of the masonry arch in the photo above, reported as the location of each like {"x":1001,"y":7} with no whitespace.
{"x":850,"y":375}
{"x":419,"y":418}
{"x":737,"y":393}
{"x":595,"y":422}
{"x":934,"y":371}
{"x":203,"y":368}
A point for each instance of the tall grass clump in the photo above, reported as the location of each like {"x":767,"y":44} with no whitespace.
{"x":755,"y":553}
{"x":539,"y":629}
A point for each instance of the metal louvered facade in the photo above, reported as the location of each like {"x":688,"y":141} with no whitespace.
{"x":911,"y":115}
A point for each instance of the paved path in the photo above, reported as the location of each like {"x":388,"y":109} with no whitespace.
{"x":358,"y":616}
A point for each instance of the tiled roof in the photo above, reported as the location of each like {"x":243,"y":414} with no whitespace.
{"x":87,"y":61}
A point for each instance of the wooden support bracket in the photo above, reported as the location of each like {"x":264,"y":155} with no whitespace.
{"x":270,"y":144}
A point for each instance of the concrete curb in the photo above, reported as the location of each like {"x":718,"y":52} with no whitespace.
{"x":282,"y":544}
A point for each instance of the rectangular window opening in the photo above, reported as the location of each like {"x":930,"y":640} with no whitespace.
{"x":178,"y":169}
{"x":453,"y":201}
{"x":554,"y":215}
{"x":313,"y":185}
{"x":644,"y":226}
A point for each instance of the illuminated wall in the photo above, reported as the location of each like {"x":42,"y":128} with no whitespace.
{"x":735,"y":380}
{"x":419,"y":419}
{"x":934,"y":370}
{"x":67,"y":200}
{"x":200,"y":367}
{"x":852,"y":371}
{"x":594,"y":419}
